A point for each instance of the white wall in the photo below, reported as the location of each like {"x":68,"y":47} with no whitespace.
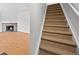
{"x":73,"y":20}
{"x":24,"y":21}
{"x":18,"y":13}
{"x":76,"y":6}
{"x":14,"y":6}
{"x":37,"y":15}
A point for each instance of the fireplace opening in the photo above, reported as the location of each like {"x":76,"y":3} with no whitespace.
{"x":9,"y":27}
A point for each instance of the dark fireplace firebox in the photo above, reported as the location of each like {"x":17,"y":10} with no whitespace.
{"x":9,"y":27}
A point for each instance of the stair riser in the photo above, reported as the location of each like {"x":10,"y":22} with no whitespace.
{"x":55,"y":14}
{"x":43,"y":52}
{"x":58,"y":45}
{"x":55,"y":18}
{"x":54,"y":11}
{"x":59,"y":40}
{"x":57,"y":35}
{"x":56,"y":6}
{"x":55,"y":23}
{"x":58,"y":32}
{"x":56,"y":28}
{"x":59,"y":17}
{"x":65,"y":26}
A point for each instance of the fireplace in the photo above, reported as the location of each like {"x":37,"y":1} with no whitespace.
{"x":9,"y":27}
